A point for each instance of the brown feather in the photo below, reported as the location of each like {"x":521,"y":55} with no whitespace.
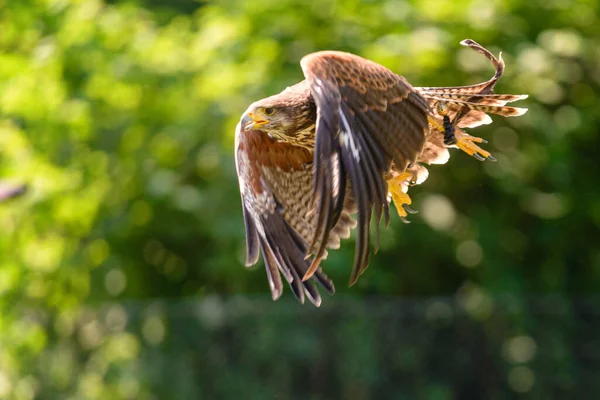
{"x":271,"y":226}
{"x":369,"y":117}
{"x":324,"y":155}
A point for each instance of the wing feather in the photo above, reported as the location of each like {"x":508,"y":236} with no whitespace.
{"x":275,"y":207}
{"x":468,"y":107}
{"x":252,"y":245}
{"x":367,"y":117}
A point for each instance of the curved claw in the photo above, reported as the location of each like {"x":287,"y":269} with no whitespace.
{"x":466,"y":143}
{"x":408,"y":209}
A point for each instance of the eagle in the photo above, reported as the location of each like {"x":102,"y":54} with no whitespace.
{"x":328,"y":154}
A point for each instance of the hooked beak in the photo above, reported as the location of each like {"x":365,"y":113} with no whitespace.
{"x":252,"y":121}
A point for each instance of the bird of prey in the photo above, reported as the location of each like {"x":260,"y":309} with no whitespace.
{"x":329,"y":153}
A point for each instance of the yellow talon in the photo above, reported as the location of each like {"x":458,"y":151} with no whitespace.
{"x":399,"y":197}
{"x":466,"y":143}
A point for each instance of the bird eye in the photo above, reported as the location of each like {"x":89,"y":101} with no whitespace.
{"x":269,"y":110}
{"x":442,"y":108}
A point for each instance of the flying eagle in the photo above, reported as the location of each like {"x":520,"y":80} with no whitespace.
{"x":327,"y":154}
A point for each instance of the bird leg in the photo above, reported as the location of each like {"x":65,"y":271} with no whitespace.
{"x":456,"y":137}
{"x":400,"y":198}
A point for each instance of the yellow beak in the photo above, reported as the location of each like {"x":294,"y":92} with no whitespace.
{"x":252,"y":121}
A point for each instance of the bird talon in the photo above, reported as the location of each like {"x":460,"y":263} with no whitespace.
{"x":409,"y":210}
{"x":476,"y":139}
{"x":399,"y":197}
{"x":455,"y":137}
{"x":466,"y":143}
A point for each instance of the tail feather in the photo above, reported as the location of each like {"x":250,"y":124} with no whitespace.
{"x":471,"y":89}
{"x":465,"y":107}
{"x":479,"y":88}
{"x":487,"y":99}
{"x":505,"y":111}
{"x":468,"y":105}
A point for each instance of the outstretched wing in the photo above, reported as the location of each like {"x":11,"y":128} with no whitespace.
{"x":468,"y":107}
{"x":276,"y":187}
{"x":367,"y":118}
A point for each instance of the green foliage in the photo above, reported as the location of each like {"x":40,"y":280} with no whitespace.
{"x":120,"y":118}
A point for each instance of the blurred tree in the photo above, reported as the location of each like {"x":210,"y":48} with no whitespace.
{"x":120,"y":118}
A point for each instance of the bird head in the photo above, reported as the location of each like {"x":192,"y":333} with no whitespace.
{"x":283,"y":116}
{"x":266,"y":117}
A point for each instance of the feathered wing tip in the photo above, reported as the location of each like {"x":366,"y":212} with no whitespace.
{"x":505,"y":111}
{"x":283,"y":251}
{"x":252,"y":244}
{"x":468,"y":106}
{"x":487,"y":99}
{"x":480,"y":88}
{"x":273,"y":276}
{"x":497,"y":62}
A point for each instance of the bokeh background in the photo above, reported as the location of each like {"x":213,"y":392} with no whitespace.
{"x":121,"y":269}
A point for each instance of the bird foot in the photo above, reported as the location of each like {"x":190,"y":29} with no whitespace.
{"x":456,"y":137}
{"x":400,"y":198}
{"x":466,"y":143}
